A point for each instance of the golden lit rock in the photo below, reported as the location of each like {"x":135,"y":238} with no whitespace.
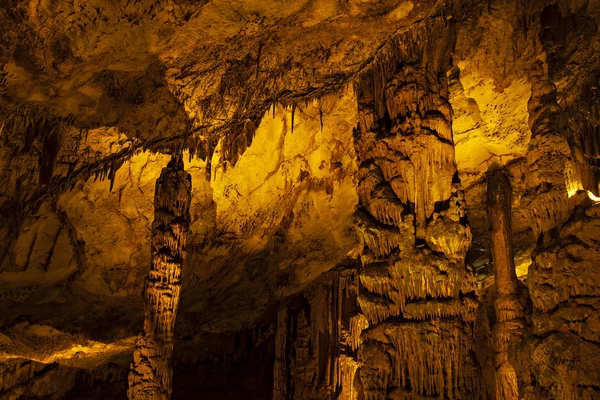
{"x":389,"y":199}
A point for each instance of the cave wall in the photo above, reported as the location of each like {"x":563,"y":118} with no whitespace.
{"x":255,"y":238}
{"x":354,"y":165}
{"x":562,"y":282}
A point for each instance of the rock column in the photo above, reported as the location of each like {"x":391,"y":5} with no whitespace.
{"x":416,"y":298}
{"x":508,"y":304}
{"x":551,"y":171}
{"x":150,"y":376}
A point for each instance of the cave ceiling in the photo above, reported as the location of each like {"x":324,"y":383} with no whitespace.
{"x":265,"y":100}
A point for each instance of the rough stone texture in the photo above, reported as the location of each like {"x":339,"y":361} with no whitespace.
{"x":313,"y":346}
{"x":260,"y":231}
{"x":209,"y":60}
{"x":42,"y":362}
{"x":151,"y":374}
{"x":280,"y":217}
{"x":490,"y":89}
{"x":508,"y":305}
{"x":550,"y":171}
{"x":94,"y":97}
{"x":414,"y":292}
{"x":563,"y":282}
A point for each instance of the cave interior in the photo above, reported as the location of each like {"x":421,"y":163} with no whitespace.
{"x":300,"y":200}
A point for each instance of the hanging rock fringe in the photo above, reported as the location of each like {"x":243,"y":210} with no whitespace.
{"x":416,"y":297}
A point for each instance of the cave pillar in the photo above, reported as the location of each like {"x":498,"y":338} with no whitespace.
{"x":508,"y":305}
{"x":499,"y":202}
{"x":151,"y":374}
{"x":416,"y":297}
{"x":552,"y":175}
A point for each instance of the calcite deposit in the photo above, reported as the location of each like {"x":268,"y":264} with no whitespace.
{"x":151,"y":376}
{"x":301,"y":200}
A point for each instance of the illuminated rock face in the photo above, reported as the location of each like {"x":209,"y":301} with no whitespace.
{"x":415,"y":294}
{"x":563,"y":283}
{"x":389,"y":199}
{"x":549,"y":162}
{"x":151,"y":376}
{"x":266,"y":228}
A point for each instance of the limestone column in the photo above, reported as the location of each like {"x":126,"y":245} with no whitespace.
{"x":416,"y":297}
{"x":151,"y":374}
{"x":508,"y":304}
{"x":499,"y":202}
{"x":551,"y":171}
{"x":312,"y":355}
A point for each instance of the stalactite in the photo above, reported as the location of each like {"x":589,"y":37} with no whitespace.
{"x":112,"y":173}
{"x":50,"y":149}
{"x":293,"y":113}
{"x":508,"y":304}
{"x":235,"y":142}
{"x":151,"y":374}
{"x":415,"y":297}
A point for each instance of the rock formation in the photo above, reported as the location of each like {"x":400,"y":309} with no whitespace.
{"x":151,"y":375}
{"x":392,"y":199}
{"x":565,"y":352}
{"x":508,"y":305}
{"x":415,"y":293}
{"x":551,"y":175}
{"x":314,"y":341}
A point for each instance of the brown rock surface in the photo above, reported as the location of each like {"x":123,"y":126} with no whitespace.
{"x":563,"y":283}
{"x":339,"y":243}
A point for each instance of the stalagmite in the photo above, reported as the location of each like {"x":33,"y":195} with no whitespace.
{"x":508,"y":304}
{"x":415,"y":295}
{"x":499,"y":203}
{"x":150,"y":376}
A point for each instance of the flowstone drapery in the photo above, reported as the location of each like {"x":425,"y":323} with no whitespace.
{"x":415,"y":294}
